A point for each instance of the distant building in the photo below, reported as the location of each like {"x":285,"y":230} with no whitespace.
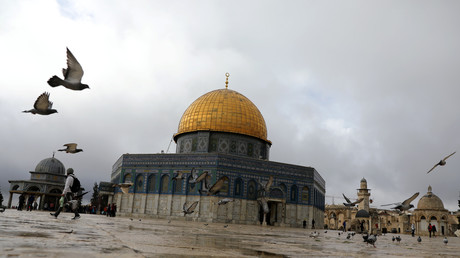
{"x":430,"y":209}
{"x":46,"y":183}
{"x":222,"y":133}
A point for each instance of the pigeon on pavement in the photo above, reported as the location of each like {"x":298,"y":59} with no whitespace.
{"x":441,"y":162}
{"x":42,"y":106}
{"x":72,"y":75}
{"x":71,"y":148}
{"x":445,"y":240}
{"x":419,"y":239}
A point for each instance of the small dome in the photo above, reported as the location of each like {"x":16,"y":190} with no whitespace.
{"x":430,"y":202}
{"x":363,"y":183}
{"x":362,"y":214}
{"x":50,"y":165}
{"x":223,"y":110}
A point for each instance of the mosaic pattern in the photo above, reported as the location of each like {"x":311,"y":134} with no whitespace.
{"x":297,"y":184}
{"x":223,"y":110}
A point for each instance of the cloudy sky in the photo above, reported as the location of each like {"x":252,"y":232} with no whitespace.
{"x":352,"y":88}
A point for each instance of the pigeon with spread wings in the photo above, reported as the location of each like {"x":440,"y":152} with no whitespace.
{"x":190,"y":208}
{"x":441,"y":162}
{"x":42,"y":106}
{"x":71,"y":148}
{"x":124,"y":187}
{"x":405,"y":205}
{"x":349,"y":203}
{"x":72,"y":75}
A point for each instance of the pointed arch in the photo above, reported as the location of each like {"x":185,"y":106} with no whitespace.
{"x":164,"y":184}
{"x":238,"y":191}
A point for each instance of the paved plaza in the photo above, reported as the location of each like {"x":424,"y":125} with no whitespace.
{"x":37,"y":234}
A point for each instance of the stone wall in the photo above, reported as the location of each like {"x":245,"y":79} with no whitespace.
{"x":240,"y":211}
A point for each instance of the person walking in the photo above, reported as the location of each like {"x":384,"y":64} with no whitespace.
{"x":72,"y":185}
{"x":413,"y":230}
{"x":313,"y":223}
{"x":433,"y":230}
{"x":429,"y":229}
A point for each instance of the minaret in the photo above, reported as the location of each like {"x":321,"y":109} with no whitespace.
{"x":363,"y":192}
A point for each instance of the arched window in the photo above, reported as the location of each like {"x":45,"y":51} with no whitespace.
{"x":127,"y":178}
{"x":152,"y":183}
{"x":252,"y":190}
{"x":284,"y":188}
{"x":293,"y":193}
{"x":423,"y":217}
{"x":139,"y":183}
{"x":177,"y":185}
{"x":238,"y":187}
{"x":164,"y":187}
{"x":433,"y":218}
{"x":305,"y":194}
{"x":33,"y":189}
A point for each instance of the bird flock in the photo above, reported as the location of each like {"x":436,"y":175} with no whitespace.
{"x":72,"y":80}
{"x":406,"y":204}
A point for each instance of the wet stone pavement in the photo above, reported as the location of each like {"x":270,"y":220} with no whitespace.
{"x":37,"y":234}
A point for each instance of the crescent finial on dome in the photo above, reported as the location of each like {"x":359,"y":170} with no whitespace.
{"x":226,"y":80}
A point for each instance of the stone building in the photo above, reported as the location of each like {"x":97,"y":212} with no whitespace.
{"x":46,"y":183}
{"x":430,"y":209}
{"x":221,"y":133}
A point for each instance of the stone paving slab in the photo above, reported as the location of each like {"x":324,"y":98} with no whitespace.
{"x":37,"y":234}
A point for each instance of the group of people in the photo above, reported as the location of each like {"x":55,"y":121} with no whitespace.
{"x":31,"y":203}
{"x":110,"y":210}
{"x":432,"y":230}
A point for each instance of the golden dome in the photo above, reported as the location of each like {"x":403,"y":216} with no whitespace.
{"x":223,"y":110}
{"x":430,"y":202}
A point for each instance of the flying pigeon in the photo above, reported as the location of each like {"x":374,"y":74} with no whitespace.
{"x":419,"y":239}
{"x":124,"y":187}
{"x":190,"y":208}
{"x":179,"y":175}
{"x":441,"y":162}
{"x":263,"y":202}
{"x":266,"y":185}
{"x":215,"y":188}
{"x":445,"y":240}
{"x":405,"y":205}
{"x":72,"y":75}
{"x":71,"y":148}
{"x":224,"y":201}
{"x":42,"y":106}
{"x":349,"y":203}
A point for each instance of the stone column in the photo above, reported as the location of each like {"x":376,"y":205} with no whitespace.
{"x":9,"y":200}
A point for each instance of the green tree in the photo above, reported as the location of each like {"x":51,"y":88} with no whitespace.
{"x":95,"y":197}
